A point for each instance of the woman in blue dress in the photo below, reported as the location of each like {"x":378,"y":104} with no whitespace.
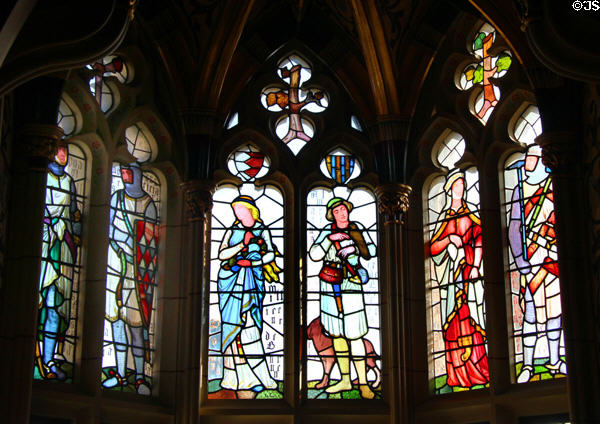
{"x":247,"y":258}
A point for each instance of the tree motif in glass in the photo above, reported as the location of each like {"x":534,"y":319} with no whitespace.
{"x":245,"y":357}
{"x":479,"y":73}
{"x":294,"y":98}
{"x":131,"y":283}
{"x":60,"y":266}
{"x":539,"y":351}
{"x":342,"y":291}
{"x":454,"y":270}
{"x":109,"y":66}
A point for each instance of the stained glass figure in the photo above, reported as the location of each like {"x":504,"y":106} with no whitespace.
{"x":66,"y":118}
{"x":535,"y":288}
{"x":60,"y":266}
{"x":340,"y":166}
{"x":454,"y":269}
{"x":109,"y":66}
{"x":342,"y":295}
{"x":246,"y":293}
{"x":294,"y":128}
{"x":131,"y":279}
{"x":480,"y":72}
{"x":248,"y":163}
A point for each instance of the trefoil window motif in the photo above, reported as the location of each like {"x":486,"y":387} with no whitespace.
{"x":479,"y":73}
{"x":292,"y":100}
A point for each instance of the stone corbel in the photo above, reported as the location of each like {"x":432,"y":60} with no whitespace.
{"x":37,"y":144}
{"x":393,"y":202}
{"x":198,"y":199}
{"x":560,"y":152}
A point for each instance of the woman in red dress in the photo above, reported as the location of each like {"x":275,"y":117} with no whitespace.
{"x":456,"y":250}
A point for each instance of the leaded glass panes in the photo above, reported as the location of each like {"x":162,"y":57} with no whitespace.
{"x":66,"y":118}
{"x":131,"y":280}
{"x":479,"y":73}
{"x":292,"y":99}
{"x":103,"y":94}
{"x":131,"y":275}
{"x":340,"y":166}
{"x":140,"y":142}
{"x":248,"y":163}
{"x":539,"y":351}
{"x":109,"y":66}
{"x":454,"y":276}
{"x":60,"y":266}
{"x":246,"y":316}
{"x":343,"y":327}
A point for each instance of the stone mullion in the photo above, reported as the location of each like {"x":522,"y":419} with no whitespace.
{"x":35,"y":146}
{"x":392,"y":199}
{"x":561,"y":153}
{"x":495,"y":296}
{"x":197,"y":197}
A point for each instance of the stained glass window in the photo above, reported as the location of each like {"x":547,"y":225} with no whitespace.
{"x":539,"y":350}
{"x":131,"y":281}
{"x":292,"y":100}
{"x":109,"y":66}
{"x":454,"y":275}
{"x":140,"y":142}
{"x":343,"y":332}
{"x":66,"y":118}
{"x":485,"y":67}
{"x":60,"y":266}
{"x":246,"y":316}
{"x":233,"y":121}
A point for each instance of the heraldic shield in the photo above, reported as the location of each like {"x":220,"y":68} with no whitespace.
{"x":146,"y":254}
{"x":340,"y":167}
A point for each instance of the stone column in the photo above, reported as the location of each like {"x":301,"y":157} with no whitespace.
{"x":561,"y":152}
{"x":201,"y":127}
{"x":393,"y":202}
{"x":35,"y":146}
{"x":197,"y":197}
{"x":389,"y":136}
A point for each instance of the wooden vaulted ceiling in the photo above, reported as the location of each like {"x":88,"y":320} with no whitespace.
{"x":380,"y":50}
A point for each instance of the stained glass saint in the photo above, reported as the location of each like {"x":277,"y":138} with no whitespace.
{"x":537,"y":313}
{"x":60,"y":267}
{"x":455,"y":275}
{"x":246,"y":301}
{"x":131,"y":275}
{"x":343,"y":326}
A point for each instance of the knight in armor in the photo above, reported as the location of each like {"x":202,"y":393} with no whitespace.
{"x":60,"y":242}
{"x":131,"y":276}
{"x":532,"y":240}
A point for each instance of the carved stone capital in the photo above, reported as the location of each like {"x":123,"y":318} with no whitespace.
{"x":197,"y":195}
{"x":36,"y":145}
{"x":393,"y":201}
{"x":560,"y":152}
